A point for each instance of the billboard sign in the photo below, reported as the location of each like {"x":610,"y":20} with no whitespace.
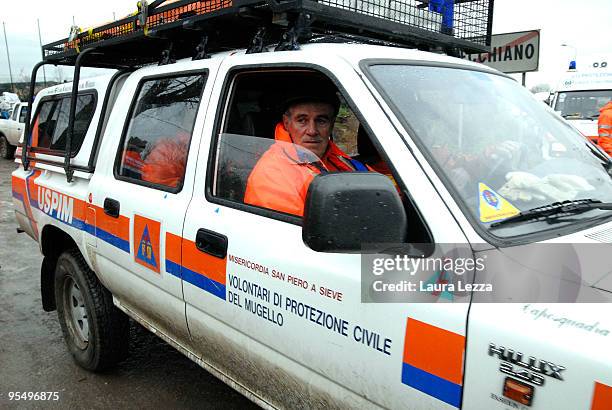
{"x":511,"y":52}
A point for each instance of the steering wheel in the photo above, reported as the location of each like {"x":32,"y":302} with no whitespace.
{"x":514,"y":158}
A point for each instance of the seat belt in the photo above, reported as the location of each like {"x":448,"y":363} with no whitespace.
{"x":358,"y":165}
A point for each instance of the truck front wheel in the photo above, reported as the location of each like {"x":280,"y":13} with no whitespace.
{"x":95,"y":331}
{"x":6,"y":150}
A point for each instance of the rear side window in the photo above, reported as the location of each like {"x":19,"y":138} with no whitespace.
{"x":50,"y":129}
{"x":156,"y":142}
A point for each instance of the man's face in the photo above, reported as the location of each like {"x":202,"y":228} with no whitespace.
{"x":310,"y":125}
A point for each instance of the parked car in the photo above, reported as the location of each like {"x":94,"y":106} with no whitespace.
{"x":11,"y":130}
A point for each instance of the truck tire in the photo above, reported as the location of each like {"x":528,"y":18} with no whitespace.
{"x":7,"y":151}
{"x":95,"y":331}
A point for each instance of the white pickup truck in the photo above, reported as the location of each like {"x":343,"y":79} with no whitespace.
{"x":11,"y":130}
{"x":471,"y":271}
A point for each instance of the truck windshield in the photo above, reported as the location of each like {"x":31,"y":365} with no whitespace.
{"x":583,"y":105}
{"x":500,"y":150}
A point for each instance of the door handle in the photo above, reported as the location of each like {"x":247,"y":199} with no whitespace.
{"x":112,"y":207}
{"x":212,"y":243}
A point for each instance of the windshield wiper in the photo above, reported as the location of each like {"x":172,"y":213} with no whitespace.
{"x":592,"y":117}
{"x":557,"y":210}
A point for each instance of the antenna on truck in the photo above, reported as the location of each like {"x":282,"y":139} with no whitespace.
{"x":195,"y":28}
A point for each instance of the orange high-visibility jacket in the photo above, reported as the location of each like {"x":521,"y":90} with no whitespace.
{"x":280,"y":179}
{"x":166,"y":163}
{"x":604,"y":126}
{"x":34,"y":138}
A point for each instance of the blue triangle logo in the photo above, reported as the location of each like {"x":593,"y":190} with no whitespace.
{"x":145,"y":248}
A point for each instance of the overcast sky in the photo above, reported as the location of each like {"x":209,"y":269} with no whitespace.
{"x":584,"y":24}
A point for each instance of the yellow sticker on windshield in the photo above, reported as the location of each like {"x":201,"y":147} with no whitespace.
{"x":493,"y":207}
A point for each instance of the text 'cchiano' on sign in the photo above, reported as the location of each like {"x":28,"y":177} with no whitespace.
{"x":511,"y":52}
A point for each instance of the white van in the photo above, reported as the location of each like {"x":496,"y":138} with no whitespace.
{"x":581,"y":94}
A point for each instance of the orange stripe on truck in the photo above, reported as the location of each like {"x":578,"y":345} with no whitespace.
{"x":202,"y":263}
{"x":173,"y":247}
{"x":119,"y":227}
{"x":602,"y":397}
{"x":434,"y":350}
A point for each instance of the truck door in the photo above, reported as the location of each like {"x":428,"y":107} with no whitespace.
{"x":142,"y":190}
{"x":15,"y":126}
{"x":20,"y":121}
{"x":283,"y":320}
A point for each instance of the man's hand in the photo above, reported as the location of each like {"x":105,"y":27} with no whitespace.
{"x":506,"y":150}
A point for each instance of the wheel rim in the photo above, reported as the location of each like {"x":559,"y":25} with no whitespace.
{"x":75,"y":313}
{"x":3,"y":147}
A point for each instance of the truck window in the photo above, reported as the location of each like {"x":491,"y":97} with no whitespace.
{"x":50,"y":128}
{"x":44,"y":124}
{"x":155,"y":144}
{"x":84,"y":113}
{"x":252,"y":133}
{"x":582,"y":104}
{"x":22,"y":114}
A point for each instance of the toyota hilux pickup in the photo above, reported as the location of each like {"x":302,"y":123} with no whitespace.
{"x":468,"y":268}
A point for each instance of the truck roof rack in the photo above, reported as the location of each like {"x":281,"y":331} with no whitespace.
{"x":228,"y":24}
{"x":165,"y":30}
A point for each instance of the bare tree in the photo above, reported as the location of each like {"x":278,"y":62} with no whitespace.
{"x":23,"y":76}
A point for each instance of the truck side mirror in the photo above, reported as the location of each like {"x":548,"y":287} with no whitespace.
{"x":352,"y":212}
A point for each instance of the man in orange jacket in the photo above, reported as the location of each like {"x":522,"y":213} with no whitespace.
{"x":604,"y":126}
{"x":166,"y":163}
{"x":281,"y":177}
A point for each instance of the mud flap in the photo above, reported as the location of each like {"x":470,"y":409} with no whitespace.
{"x":47,"y":283}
